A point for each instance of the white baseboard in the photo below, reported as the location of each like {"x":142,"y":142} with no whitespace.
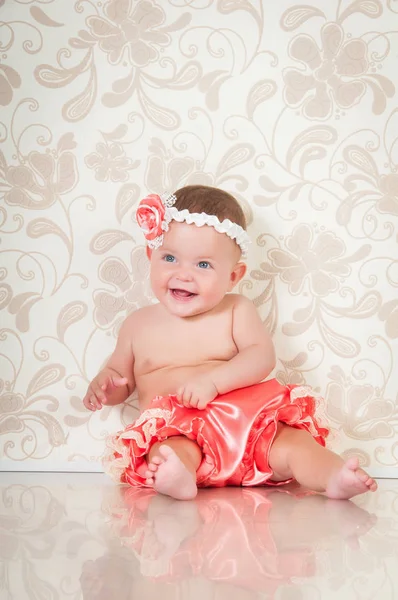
{"x":383,"y":472}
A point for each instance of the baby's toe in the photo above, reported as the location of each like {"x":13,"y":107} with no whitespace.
{"x":362,"y":476}
{"x":372,"y":485}
{"x":156,"y":460}
{"x":153,"y":467}
{"x":149,"y":481}
{"x":352,"y":463}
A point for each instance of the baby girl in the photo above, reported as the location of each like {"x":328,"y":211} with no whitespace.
{"x":199,"y":360}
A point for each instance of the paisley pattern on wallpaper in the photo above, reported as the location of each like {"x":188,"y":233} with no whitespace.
{"x":291,"y":107}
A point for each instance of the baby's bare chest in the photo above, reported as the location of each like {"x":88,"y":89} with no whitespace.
{"x":161,"y":344}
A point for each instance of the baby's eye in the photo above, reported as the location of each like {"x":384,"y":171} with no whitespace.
{"x":169,"y":258}
{"x":204,"y":264}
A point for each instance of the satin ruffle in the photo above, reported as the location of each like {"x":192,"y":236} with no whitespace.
{"x":235,"y":434}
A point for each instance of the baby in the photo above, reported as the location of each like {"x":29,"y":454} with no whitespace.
{"x":198,"y":359}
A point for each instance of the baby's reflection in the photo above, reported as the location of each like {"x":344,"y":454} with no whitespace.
{"x":242,"y":540}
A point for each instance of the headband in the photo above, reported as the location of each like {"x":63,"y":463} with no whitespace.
{"x":154,"y":214}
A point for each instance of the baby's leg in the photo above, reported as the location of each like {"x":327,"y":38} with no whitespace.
{"x":172,"y":467}
{"x":296,"y":454}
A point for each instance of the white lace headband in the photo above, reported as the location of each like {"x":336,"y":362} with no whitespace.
{"x":154,"y":214}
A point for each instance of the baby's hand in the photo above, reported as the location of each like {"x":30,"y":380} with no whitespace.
{"x":95,"y":396}
{"x":198,"y":393}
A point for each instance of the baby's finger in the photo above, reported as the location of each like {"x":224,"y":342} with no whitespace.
{"x":87,"y":403}
{"x":96,"y":389}
{"x":118,"y":381}
{"x":186,"y":398}
{"x":104,"y":383}
{"x":96,"y":395}
{"x":202,"y":404}
{"x":91,"y":402}
{"x":95,"y":402}
{"x":194,"y":402}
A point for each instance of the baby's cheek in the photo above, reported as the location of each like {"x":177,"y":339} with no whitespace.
{"x":211,"y":284}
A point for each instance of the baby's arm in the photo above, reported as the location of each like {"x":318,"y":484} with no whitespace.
{"x":114,"y":384}
{"x":256,"y":355}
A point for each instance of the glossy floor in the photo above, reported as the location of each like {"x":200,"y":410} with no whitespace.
{"x":77,"y":536}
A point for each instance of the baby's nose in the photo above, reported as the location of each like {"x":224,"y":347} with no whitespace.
{"x":184,"y":275}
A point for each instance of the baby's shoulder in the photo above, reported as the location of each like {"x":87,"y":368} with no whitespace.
{"x":237,"y":300}
{"x":140,"y":316}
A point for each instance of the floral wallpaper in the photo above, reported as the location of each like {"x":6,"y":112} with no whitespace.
{"x":291,"y":107}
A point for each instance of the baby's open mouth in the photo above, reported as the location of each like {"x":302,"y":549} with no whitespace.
{"x":181,"y":294}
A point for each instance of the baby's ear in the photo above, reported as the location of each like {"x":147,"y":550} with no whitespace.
{"x":237,"y":274}
{"x":148,"y":252}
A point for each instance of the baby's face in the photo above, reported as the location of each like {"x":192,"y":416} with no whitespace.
{"x":194,"y":269}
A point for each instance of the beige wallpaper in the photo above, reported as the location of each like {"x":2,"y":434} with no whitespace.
{"x":290,"y":107}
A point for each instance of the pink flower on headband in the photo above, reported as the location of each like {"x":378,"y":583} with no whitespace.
{"x":150,"y":216}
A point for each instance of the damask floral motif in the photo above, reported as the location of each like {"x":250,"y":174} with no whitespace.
{"x":367,"y":186}
{"x":130,"y":31}
{"x":9,"y":80}
{"x":292,"y":370}
{"x":388,"y":201}
{"x":339,"y":71}
{"x":110,"y":162}
{"x":359,"y":408}
{"x":130,"y":26}
{"x":29,"y":415}
{"x":319,"y":261}
{"x":290,"y":377}
{"x":389,"y":313}
{"x":41,"y":177}
{"x":131,"y":289}
{"x":166,"y":171}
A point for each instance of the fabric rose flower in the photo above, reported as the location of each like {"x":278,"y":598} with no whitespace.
{"x":150,"y":216}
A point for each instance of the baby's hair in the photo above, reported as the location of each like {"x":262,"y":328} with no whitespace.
{"x":212,"y":201}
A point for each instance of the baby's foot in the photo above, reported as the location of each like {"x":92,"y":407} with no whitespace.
{"x":349,"y":481}
{"x":169,"y":476}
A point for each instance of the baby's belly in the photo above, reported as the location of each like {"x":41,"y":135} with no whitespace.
{"x":167,"y":380}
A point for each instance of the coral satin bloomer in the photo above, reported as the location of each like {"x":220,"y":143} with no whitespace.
{"x":235,"y":433}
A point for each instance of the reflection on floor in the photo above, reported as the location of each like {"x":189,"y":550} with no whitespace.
{"x":77,"y":536}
